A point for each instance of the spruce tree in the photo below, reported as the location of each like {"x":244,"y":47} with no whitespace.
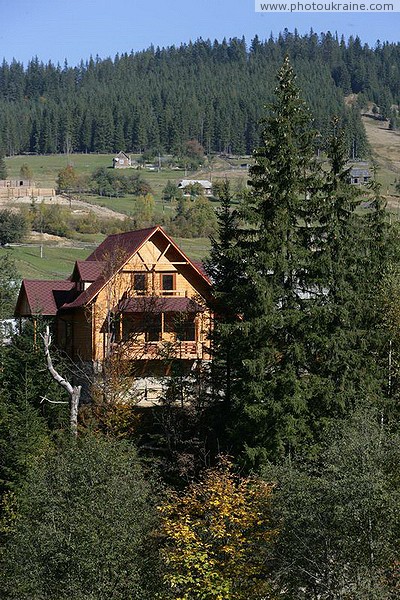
{"x":303,"y":268}
{"x":223,"y":266}
{"x":269,"y":403}
{"x":350,"y":251}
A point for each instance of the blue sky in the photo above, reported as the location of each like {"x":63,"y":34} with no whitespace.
{"x":75,"y":29}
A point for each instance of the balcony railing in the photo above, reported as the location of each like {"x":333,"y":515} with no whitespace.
{"x":159,"y":292}
{"x":164,"y":350}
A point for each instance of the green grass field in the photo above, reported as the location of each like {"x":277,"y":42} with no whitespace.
{"x":57,"y":263}
{"x":45,"y":169}
{"x":196,"y":248}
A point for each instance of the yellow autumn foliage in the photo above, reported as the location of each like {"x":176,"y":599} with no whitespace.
{"x":217,"y":538}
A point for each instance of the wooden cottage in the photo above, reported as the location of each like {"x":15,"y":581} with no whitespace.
{"x":122,"y":161}
{"x":360,"y":174}
{"x":137,"y":294}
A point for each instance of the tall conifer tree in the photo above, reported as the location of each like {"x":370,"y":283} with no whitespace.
{"x":272,"y":253}
{"x":299,"y":289}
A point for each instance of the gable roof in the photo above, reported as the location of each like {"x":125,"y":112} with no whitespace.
{"x":49,"y":297}
{"x":125,"y":243}
{"x":120,"y":247}
{"x":121,"y":153}
{"x":44,"y":297}
{"x":360,"y":172}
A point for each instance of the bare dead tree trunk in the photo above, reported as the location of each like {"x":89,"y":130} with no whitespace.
{"x":73,"y":390}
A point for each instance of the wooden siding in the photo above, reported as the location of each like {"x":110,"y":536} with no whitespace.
{"x":151,"y":261}
{"x":74,"y":334}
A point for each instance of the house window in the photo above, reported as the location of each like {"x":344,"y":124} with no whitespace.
{"x":167,"y":284}
{"x":182,"y":325}
{"x":142,"y":324}
{"x":139,"y":283}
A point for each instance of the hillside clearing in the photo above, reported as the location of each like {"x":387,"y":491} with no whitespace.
{"x":385,"y":146}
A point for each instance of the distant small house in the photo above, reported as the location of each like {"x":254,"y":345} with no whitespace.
{"x":360,"y":174}
{"x":204,"y":183}
{"x":122,"y":161}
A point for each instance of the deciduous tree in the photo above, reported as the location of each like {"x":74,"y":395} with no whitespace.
{"x":217,"y":537}
{"x":13,"y":227}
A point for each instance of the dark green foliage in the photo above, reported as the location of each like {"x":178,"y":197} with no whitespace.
{"x":107,"y":182}
{"x":171,"y":192}
{"x":161,"y":98}
{"x":24,"y":377}
{"x":51,"y":219}
{"x":270,"y":257}
{"x":194,"y":218}
{"x":9,"y":285}
{"x":24,"y":436}
{"x":338,"y":516}
{"x":299,"y":287}
{"x":3,"y":167}
{"x":223,"y":267}
{"x":13,"y":227}
{"x":24,"y":420}
{"x":83,"y":531}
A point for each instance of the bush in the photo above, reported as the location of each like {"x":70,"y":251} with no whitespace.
{"x":13,"y":227}
{"x":50,"y":219}
{"x":107,"y":182}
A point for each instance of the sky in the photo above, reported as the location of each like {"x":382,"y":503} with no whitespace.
{"x":74,"y":30}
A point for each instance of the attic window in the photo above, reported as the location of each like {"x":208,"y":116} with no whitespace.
{"x":139,"y":283}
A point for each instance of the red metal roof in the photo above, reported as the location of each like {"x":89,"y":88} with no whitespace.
{"x":89,"y":270}
{"x":124,"y":243}
{"x":159,"y":304}
{"x":45,"y":297}
{"x":49,"y":296}
{"x":200,"y":267}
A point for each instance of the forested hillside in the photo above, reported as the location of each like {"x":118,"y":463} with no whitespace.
{"x":214,"y":92}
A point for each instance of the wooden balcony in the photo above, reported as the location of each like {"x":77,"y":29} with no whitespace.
{"x":163,"y":350}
